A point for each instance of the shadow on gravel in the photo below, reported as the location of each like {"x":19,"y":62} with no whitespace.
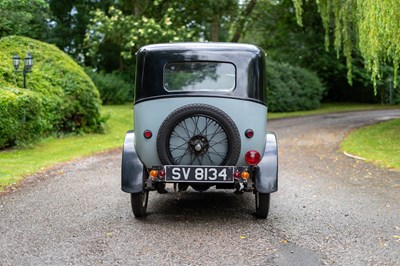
{"x":200,"y":206}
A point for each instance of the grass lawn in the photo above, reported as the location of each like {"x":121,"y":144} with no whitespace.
{"x":15,"y":164}
{"x":331,"y":108}
{"x":379,"y":144}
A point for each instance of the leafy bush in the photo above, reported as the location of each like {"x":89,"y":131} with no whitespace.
{"x":20,"y":113}
{"x":59,"y":97}
{"x":113,"y":88}
{"x":292,"y":88}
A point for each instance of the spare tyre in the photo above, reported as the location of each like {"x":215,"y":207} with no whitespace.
{"x":198,"y":134}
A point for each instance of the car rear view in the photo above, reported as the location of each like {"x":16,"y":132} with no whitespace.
{"x":200,"y":121}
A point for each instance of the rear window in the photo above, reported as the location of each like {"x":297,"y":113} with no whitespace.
{"x":199,"y":76}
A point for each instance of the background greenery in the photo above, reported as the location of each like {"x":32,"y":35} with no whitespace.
{"x":60,"y":97}
{"x":292,"y":88}
{"x":104,"y":35}
{"x":274,"y":28}
{"x":114,"y":88}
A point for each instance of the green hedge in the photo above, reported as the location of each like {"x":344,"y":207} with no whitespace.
{"x":60,"y":97}
{"x":113,"y":88}
{"x":292,"y":88}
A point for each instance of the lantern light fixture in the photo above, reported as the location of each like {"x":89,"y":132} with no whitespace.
{"x":28,"y":64}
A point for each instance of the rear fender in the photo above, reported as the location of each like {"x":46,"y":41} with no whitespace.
{"x":132,"y":167}
{"x":266,"y":174}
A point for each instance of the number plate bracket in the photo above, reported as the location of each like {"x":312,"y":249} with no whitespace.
{"x":199,"y":174}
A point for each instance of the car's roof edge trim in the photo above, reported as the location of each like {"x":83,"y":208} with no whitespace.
{"x":202,"y":96}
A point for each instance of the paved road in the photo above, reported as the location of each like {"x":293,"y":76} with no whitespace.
{"x":330,"y":209}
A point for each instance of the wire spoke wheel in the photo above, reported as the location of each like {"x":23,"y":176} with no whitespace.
{"x":198,"y":134}
{"x":198,"y":140}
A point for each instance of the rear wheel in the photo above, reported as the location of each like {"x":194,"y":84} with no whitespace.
{"x":262,"y":204}
{"x":139,"y":201}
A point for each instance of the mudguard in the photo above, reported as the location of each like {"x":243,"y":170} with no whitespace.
{"x":266,"y":174}
{"x":132,"y":167}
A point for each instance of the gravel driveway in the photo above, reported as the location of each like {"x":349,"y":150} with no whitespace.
{"x":330,"y":209}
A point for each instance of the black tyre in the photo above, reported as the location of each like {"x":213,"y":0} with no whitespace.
{"x":139,"y":203}
{"x":139,"y":200}
{"x":262,"y":204}
{"x":198,"y":134}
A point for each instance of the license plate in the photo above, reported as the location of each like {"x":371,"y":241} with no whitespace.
{"x":203,"y":174}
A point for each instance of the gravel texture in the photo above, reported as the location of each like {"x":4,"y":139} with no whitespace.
{"x":330,"y":210}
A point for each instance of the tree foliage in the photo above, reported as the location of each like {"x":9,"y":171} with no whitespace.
{"x":68,"y":24}
{"x":105,"y":34}
{"x":126,"y":33}
{"x":212,"y":20}
{"x":373,"y":27}
{"x":23,"y":17}
{"x":128,"y":25}
{"x":273,"y":27}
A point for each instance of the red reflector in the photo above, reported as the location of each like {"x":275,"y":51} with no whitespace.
{"x":147,"y":134}
{"x":252,"y":157}
{"x":249,"y":133}
{"x":161,"y":173}
{"x":236,"y":174}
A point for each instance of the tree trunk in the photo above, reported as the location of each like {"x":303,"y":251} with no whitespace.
{"x":139,"y":7}
{"x":239,"y":28}
{"x":121,"y":65}
{"x":215,"y":28}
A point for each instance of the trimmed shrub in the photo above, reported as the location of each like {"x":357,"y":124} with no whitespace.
{"x":113,"y":88}
{"x":60,"y":97}
{"x":292,"y":88}
{"x":19,"y":112}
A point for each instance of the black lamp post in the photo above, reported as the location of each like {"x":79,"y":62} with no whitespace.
{"x":28,"y":63}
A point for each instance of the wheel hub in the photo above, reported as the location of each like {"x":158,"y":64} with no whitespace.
{"x":198,"y":144}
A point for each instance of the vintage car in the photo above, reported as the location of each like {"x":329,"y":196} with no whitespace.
{"x":200,"y":121}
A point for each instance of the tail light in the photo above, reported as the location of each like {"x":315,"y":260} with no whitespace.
{"x":252,"y":157}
